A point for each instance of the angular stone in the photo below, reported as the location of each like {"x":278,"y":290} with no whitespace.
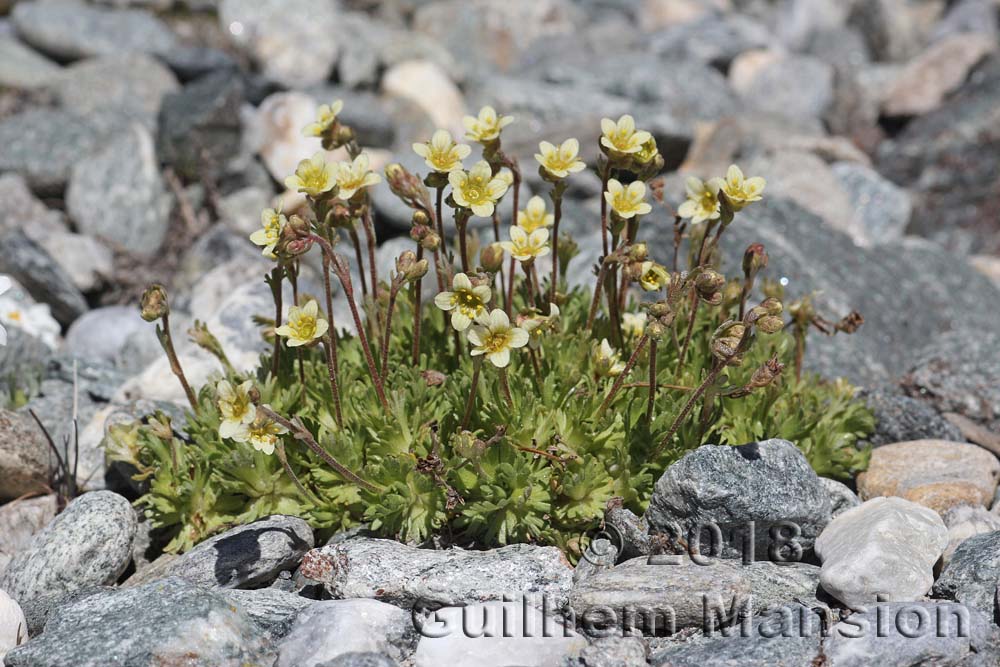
{"x":495,"y":634}
{"x":358,"y":659}
{"x":405,"y":575}
{"x":276,"y":128}
{"x":899,"y":418}
{"x":881,"y":209}
{"x":776,"y":585}
{"x":885,"y":547}
{"x":888,"y":26}
{"x":88,"y":262}
{"x":89,"y":544}
{"x":612,"y":652}
{"x":429,"y":87}
{"x":71,"y":30}
{"x":934,"y":473}
{"x":716,"y":40}
{"x":249,"y":556}
{"x":964,"y":522}
{"x":327,"y":630}
{"x":273,"y":611}
{"x":102,"y":332}
{"x":21,"y":67}
{"x":659,"y":595}
{"x":24,"y":456}
{"x":973,"y":573}
{"x":769,"y":483}
{"x":20,"y":521}
{"x":841,"y":497}
{"x":31,"y":266}
{"x":118,"y":195}
{"x":167,"y":622}
{"x":798,"y":86}
{"x":13,"y":627}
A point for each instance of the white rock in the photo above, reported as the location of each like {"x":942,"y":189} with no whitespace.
{"x":495,"y":634}
{"x":425,"y":84}
{"x":965,"y":521}
{"x":87,"y":261}
{"x":884,"y":547}
{"x":13,"y":627}
{"x":21,"y":520}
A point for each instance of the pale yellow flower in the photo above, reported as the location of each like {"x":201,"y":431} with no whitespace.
{"x":478,"y":188}
{"x":634,"y":324}
{"x":560,"y":161}
{"x":272,"y":222}
{"x":326,"y":116}
{"x":493,"y":335}
{"x":525,"y":247}
{"x":605,"y":361}
{"x":534,"y":216}
{"x":5,"y":284}
{"x":486,"y":126}
{"x":622,"y":136}
{"x":235,"y":407}
{"x":465,"y":302}
{"x":627,"y":202}
{"x":653,"y":277}
{"x":741,"y":191}
{"x":354,"y":176}
{"x":304,"y":325}
{"x":262,"y":434}
{"x":441,"y":153}
{"x":702,"y":200}
{"x":313,"y":176}
{"x":537,"y":325}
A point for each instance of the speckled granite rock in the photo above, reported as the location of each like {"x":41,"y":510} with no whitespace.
{"x":885,"y":547}
{"x":973,"y":573}
{"x":13,"y":628}
{"x":168,"y":622}
{"x":899,"y":418}
{"x":403,"y":575}
{"x":248,"y":556}
{"x":841,"y":497}
{"x":20,"y":521}
{"x":24,"y":456}
{"x":273,"y":611}
{"x":88,"y":544}
{"x":964,"y":522}
{"x":778,"y":584}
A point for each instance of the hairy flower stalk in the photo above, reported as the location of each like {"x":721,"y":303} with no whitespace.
{"x":330,"y":344}
{"x":155,"y":306}
{"x":621,"y":376}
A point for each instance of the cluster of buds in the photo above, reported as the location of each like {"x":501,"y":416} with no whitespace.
{"x":729,"y":342}
{"x":408,"y":187}
{"x":766,"y":316}
{"x":408,"y":268}
{"x":763,"y":376}
{"x":154,"y":305}
{"x":423,"y":233}
{"x":708,"y":283}
{"x":659,"y":319}
{"x":296,"y":238}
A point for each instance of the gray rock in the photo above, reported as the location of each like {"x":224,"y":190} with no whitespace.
{"x":659,"y":595}
{"x":20,"y":67}
{"x":117,"y":195}
{"x":799,"y":86}
{"x":42,"y":145}
{"x":20,"y":521}
{"x":24,"y":456}
{"x":38,"y":612}
{"x":405,"y":575}
{"x":881,"y":208}
{"x":973,"y":573}
{"x":192,"y":62}
{"x":31,"y":266}
{"x":131,"y":83}
{"x":786,"y":637}
{"x":769,"y":483}
{"x":249,"y":556}
{"x":293,"y":41}
{"x":600,"y":554}
{"x":841,"y":497}
{"x":900,"y":418}
{"x":199,"y":127}
{"x":611,"y":652}
{"x":630,"y":532}
{"x":967,"y":16}
{"x":888,"y":26}
{"x":964,"y":522}
{"x":360,"y":660}
{"x":883,"y":549}
{"x":217,"y":246}
{"x":87,"y":261}
{"x":20,"y":208}
{"x":70,"y":30}
{"x":329,"y":629}
{"x":778,"y":584}
{"x":715,"y":40}
{"x":89,"y":544}
{"x":22,"y":360}
{"x":272,"y":610}
{"x":102,"y":332}
{"x":168,"y":622}
{"x":957,"y":373}
{"x":911,"y":634}
{"x":495,"y":634}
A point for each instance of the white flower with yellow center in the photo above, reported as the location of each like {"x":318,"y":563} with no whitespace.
{"x":634,"y":324}
{"x":304,"y":325}
{"x":5,"y":284}
{"x":534,"y":216}
{"x":653,"y":277}
{"x":313,"y":176}
{"x":627,"y":201}
{"x":537,"y":325}
{"x":478,"y":188}
{"x":525,"y":247}
{"x":326,"y":116}
{"x":355,"y":176}
{"x":465,"y":302}
{"x":605,"y":361}
{"x":235,"y":407}
{"x":560,"y":161}
{"x":486,"y":126}
{"x":272,"y":222}
{"x":262,"y":434}
{"x":622,"y":137}
{"x":702,"y":200}
{"x":441,"y":153}
{"x":741,"y":191}
{"x":493,"y":335}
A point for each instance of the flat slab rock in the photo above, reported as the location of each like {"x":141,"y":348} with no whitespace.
{"x":884,"y":549}
{"x":403,"y":575}
{"x":934,"y":473}
{"x":972,"y":576}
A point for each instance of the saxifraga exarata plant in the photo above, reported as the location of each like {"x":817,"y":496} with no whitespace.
{"x":512,"y":407}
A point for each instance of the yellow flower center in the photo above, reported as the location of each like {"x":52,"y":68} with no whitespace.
{"x":467,"y":303}
{"x":622,"y":139}
{"x":14,"y":315}
{"x":236,"y":408}
{"x":313,"y":177}
{"x":304,"y":327}
{"x":497,"y":341}
{"x":474,"y":194}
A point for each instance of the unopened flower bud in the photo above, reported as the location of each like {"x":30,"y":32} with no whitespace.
{"x":709,"y":286}
{"x":405,"y":261}
{"x":295,"y":239}
{"x":655,"y":330}
{"x":154,"y":303}
{"x":431,"y":241}
{"x":766,"y":374}
{"x":339,"y":214}
{"x":420,"y":218}
{"x":343,"y":136}
{"x":417,"y":271}
{"x":491,"y":257}
{"x":754,"y":259}
{"x":406,"y":186}
{"x":726,"y":342}
{"x":770,"y":324}
{"x":638,"y":252}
